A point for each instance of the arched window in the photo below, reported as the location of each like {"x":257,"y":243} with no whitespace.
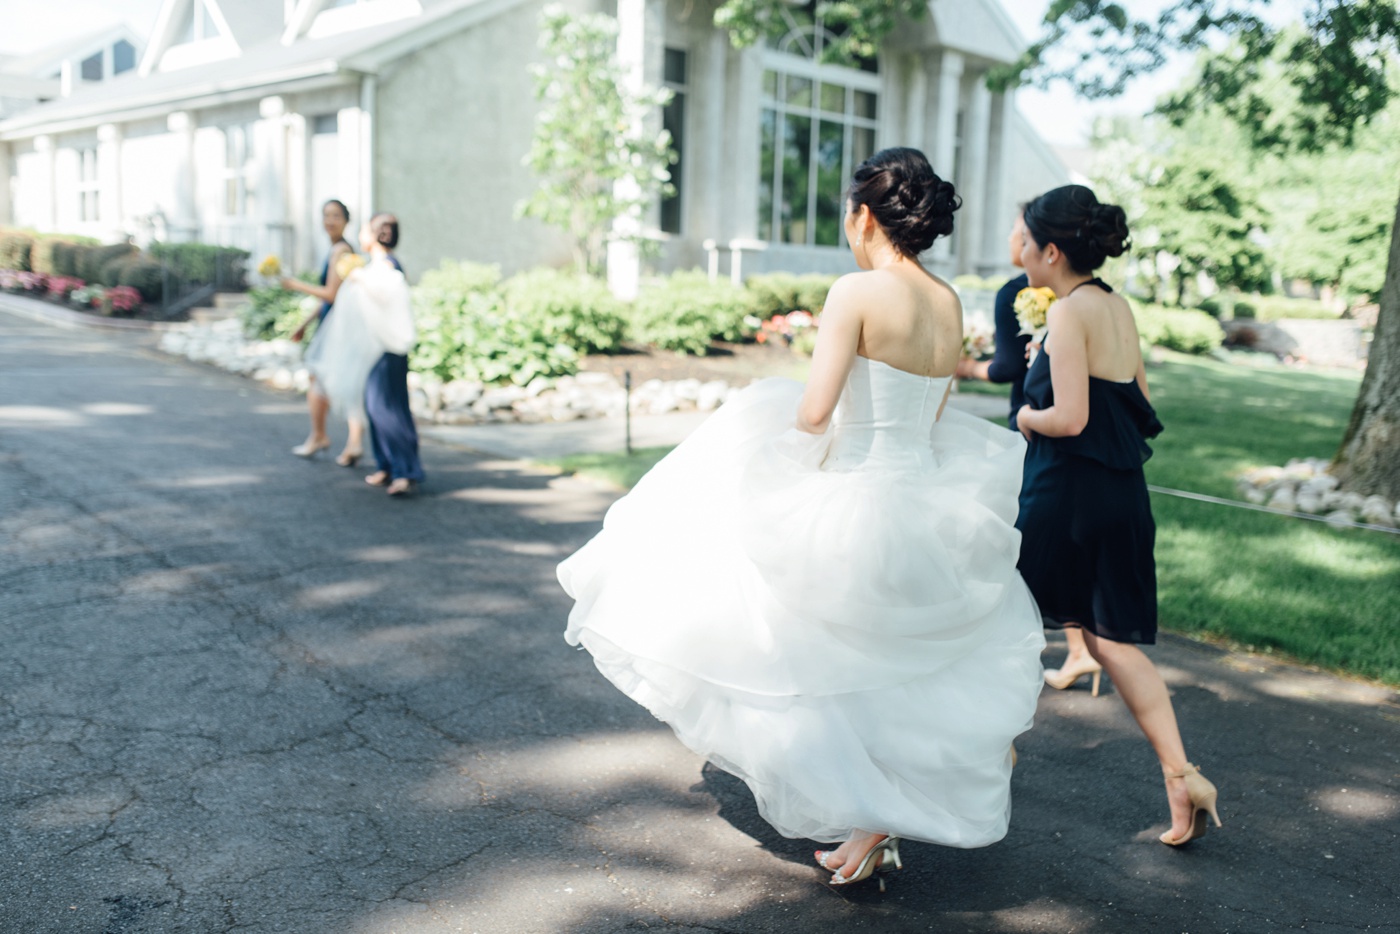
{"x":818,"y":123}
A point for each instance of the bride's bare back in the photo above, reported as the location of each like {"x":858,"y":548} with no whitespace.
{"x":899,"y":315}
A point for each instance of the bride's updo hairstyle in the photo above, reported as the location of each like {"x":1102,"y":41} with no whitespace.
{"x":1072,"y":218}
{"x":910,"y":203}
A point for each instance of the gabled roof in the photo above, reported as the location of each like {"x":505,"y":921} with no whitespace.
{"x":266,"y":68}
{"x":978,"y":27}
{"x":36,"y":64}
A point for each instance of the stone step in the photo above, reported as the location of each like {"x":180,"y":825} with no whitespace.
{"x":234,"y":300}
{"x":206,"y":315}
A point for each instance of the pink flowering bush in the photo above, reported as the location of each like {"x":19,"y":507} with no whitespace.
{"x":9,"y":280}
{"x":33,"y":281}
{"x":60,"y":286}
{"x":124,"y":298}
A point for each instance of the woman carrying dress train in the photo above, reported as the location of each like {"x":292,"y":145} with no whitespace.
{"x":817,"y":589}
{"x":1085,"y":516}
{"x":392,"y":433}
{"x":335,"y":217}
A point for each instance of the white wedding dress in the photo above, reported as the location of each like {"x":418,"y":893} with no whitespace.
{"x":835,"y":619}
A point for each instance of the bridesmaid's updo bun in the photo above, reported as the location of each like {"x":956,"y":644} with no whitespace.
{"x":386,"y":230}
{"x":910,"y":203}
{"x":1085,"y":230}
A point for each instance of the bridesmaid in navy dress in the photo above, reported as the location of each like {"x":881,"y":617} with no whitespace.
{"x":335,"y":217}
{"x":391,"y":430}
{"x":1085,"y":518}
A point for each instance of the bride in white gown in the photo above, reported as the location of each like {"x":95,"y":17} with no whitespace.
{"x":818,"y":589}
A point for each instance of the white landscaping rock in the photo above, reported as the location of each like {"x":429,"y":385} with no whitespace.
{"x":711,"y":395}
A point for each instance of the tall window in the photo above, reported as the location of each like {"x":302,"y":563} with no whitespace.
{"x":817,"y":124}
{"x":238,"y":155}
{"x":91,"y":68}
{"x":87,"y":185}
{"x":673,"y":120}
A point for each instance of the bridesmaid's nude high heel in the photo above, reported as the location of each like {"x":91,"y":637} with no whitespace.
{"x":1063,"y":678}
{"x":311,"y":448}
{"x":883,"y":857}
{"x":1202,"y":794}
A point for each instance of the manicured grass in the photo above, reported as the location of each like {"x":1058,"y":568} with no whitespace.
{"x":620,"y":470}
{"x":1276,"y":584}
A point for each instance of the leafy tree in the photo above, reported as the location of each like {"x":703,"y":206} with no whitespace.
{"x":858,"y":25}
{"x":595,"y":159}
{"x":1340,"y":65}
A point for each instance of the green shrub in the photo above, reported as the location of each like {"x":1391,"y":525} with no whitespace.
{"x":66,"y":259}
{"x":15,"y":246}
{"x":969,"y":282}
{"x":466,"y":330}
{"x":1279,"y":307}
{"x":777,"y":293}
{"x":685,"y":311}
{"x":42,"y":253}
{"x":274,"y":312}
{"x":1244,"y":310}
{"x":145,"y":276}
{"x":1210,"y":306}
{"x":1193,"y":332}
{"x":220,"y":266}
{"x":567,"y":308}
{"x":93,"y":260}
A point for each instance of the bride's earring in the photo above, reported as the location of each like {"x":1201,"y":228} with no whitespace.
{"x":860,"y":239}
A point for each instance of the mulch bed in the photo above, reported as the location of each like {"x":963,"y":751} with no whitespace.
{"x":736,"y":364}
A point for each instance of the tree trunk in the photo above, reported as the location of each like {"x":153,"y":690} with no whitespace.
{"x":1368,"y":461}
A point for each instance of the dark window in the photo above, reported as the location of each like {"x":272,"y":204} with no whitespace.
{"x":92,"y":67}
{"x":325,"y":123}
{"x":123,"y":57}
{"x":673,"y":120}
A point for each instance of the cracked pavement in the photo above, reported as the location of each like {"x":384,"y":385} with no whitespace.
{"x":244,"y":692}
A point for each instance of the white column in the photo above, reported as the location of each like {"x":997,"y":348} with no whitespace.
{"x":706,"y":205}
{"x":109,"y":180}
{"x":973,"y":184}
{"x":1000,"y":209}
{"x":298,"y":185}
{"x":369,"y":91}
{"x":348,"y":158}
{"x":46,"y":183}
{"x":915,"y":101}
{"x":640,"y":50}
{"x":185,"y":210}
{"x":950,"y":69}
{"x":269,"y":179}
{"x":7,"y":180}
{"x":745,"y":85}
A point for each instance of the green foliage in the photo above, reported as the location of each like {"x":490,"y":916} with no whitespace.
{"x":777,"y":293}
{"x":42,"y":254}
{"x":145,"y":276}
{"x":273,"y":312}
{"x":220,"y":266}
{"x":568,"y":308}
{"x":14,"y":249}
{"x":685,"y":311}
{"x":93,"y":261}
{"x":858,"y":25}
{"x":1192,"y":332}
{"x":1279,"y":307}
{"x":468,"y":330}
{"x":595,"y":158}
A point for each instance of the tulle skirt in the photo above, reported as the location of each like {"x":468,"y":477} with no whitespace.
{"x":856,"y":645}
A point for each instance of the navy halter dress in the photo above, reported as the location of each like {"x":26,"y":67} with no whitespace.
{"x":1085,"y":520}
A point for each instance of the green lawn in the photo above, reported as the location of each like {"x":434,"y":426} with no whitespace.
{"x":1276,"y":584}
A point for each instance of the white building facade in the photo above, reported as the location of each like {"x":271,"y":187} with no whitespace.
{"x":246,"y":115}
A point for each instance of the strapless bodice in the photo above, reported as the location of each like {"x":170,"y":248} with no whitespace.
{"x":884,"y":418}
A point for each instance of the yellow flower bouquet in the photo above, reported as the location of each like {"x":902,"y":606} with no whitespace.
{"x":1032,"y":305}
{"x":348,"y":264}
{"x":270,"y":267}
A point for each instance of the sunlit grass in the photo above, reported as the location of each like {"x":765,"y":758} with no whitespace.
{"x":1324,"y":596}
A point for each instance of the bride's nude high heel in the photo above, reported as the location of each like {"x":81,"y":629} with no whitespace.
{"x":1202,"y":794}
{"x":1063,"y":678}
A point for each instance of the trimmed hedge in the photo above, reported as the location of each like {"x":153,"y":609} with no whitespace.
{"x":92,"y":260}
{"x":145,"y":276}
{"x":221,"y":266}
{"x":567,"y":308}
{"x":685,"y":311}
{"x":1193,"y":332}
{"x":777,"y":293}
{"x":15,"y":246}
